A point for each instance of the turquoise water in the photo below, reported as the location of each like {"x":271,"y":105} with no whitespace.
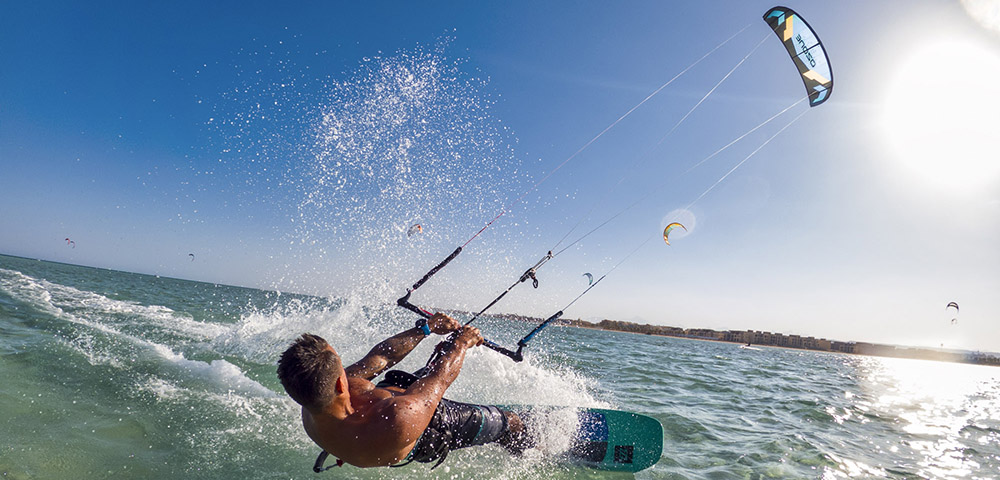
{"x":116,"y":375}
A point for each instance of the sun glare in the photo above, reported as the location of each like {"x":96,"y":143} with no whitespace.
{"x":986,"y":12}
{"x":941,"y":115}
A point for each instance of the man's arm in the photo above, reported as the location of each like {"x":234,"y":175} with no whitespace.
{"x":446,"y":368}
{"x":395,"y":348}
{"x":403,"y":418}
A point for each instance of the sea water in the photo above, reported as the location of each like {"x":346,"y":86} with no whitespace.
{"x":108,"y":374}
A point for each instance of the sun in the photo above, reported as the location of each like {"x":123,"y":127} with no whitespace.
{"x":941,"y":114}
{"x":986,"y":12}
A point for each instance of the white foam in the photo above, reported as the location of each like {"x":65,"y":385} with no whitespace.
{"x":52,"y":298}
{"x":488,"y":377}
{"x":56,"y":299}
{"x":219,"y":372}
{"x":260,"y":336}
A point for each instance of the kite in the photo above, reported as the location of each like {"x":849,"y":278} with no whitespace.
{"x":70,"y":243}
{"x":192,"y":256}
{"x":590,"y":278}
{"x":670,"y":228}
{"x":952,"y":304}
{"x":806,"y":50}
{"x":416,"y":228}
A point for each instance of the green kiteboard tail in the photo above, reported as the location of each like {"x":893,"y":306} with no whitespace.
{"x":611,"y":439}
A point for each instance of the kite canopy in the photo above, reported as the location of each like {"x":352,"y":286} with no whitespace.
{"x":806,"y":50}
{"x":414,"y":229}
{"x":670,"y":228}
{"x":954,"y":305}
{"x":590,"y":278}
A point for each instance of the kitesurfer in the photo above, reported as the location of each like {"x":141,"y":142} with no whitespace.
{"x":401,"y":419}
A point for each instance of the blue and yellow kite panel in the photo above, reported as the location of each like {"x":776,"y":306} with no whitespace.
{"x":806,"y":51}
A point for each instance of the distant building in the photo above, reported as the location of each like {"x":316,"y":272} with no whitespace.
{"x":844,"y":347}
{"x":782,"y":340}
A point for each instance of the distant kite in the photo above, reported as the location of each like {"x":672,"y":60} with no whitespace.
{"x":952,"y":304}
{"x":70,"y":243}
{"x":192,"y":256}
{"x":590,"y":278}
{"x":670,"y":228}
{"x":414,"y":229}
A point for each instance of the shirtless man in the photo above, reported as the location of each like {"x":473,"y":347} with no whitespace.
{"x":403,"y":418}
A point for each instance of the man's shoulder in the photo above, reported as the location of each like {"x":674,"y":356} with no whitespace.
{"x":368,"y":394}
{"x":358,"y":382}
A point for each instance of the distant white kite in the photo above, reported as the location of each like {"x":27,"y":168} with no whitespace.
{"x":954,"y":305}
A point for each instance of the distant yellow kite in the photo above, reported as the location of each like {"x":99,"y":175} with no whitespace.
{"x":670,"y":228}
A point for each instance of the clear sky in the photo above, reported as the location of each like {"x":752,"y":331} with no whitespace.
{"x":289,"y":147}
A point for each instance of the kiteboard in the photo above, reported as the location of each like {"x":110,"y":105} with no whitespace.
{"x":605,"y":439}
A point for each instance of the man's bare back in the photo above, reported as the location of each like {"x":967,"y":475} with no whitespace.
{"x":372,"y":434}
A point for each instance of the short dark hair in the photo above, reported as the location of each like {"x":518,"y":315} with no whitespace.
{"x":308,"y":370}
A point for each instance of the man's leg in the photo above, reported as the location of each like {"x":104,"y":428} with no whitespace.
{"x":515,"y":439}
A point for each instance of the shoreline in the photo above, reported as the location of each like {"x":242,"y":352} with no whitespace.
{"x":792,"y":342}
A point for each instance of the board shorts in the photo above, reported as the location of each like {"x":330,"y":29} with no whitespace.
{"x":454,"y":425}
{"x":458,"y":425}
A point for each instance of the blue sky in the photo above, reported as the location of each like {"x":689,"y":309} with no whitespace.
{"x":148,"y":132}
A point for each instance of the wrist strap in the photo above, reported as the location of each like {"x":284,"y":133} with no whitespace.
{"x":422,"y":325}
